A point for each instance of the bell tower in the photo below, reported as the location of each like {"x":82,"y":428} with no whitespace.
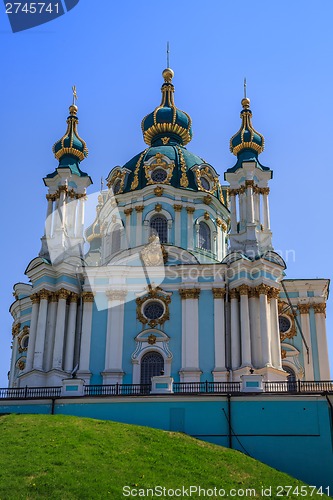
{"x":250,"y":232}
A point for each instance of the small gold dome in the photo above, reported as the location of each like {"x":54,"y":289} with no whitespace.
{"x":246,"y":103}
{"x":73,"y":109}
{"x":168,"y":75}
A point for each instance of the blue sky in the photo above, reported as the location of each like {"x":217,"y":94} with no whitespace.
{"x":114,"y":52}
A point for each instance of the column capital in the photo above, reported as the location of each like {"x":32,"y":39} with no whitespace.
{"x":265,"y":190}
{"x":190,"y":210}
{"x":303,"y":308}
{"x":249,"y":183}
{"x":233,"y":192}
{"x":233,"y":293}
{"x":189,"y":293}
{"x":263,"y":289}
{"x":178,"y":208}
{"x":320,"y":308}
{"x":253,"y":292}
{"x":53,"y":297}
{"x":44,"y":294}
{"x":116,"y":294}
{"x":243,"y":289}
{"x":87,"y":296}
{"x":128,"y":211}
{"x":35,"y":298}
{"x":274,"y":293}
{"x":73,"y":297}
{"x":218,"y":293}
{"x":139,"y":208}
{"x":63,"y":294}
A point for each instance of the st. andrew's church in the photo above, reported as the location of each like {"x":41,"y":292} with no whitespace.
{"x":180,"y":279}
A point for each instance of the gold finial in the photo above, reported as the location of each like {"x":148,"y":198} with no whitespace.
{"x":168,"y":75}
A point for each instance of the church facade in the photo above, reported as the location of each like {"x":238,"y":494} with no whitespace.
{"x":180,"y":279}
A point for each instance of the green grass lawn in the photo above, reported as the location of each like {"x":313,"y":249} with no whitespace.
{"x":60,"y":457}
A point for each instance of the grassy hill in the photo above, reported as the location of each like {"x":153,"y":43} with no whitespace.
{"x":60,"y":457}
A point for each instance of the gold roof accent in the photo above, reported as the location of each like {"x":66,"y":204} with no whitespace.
{"x":71,"y":135}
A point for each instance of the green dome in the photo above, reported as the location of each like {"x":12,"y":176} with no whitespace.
{"x":167,"y":122}
{"x":247,"y":137}
{"x":71,"y":143}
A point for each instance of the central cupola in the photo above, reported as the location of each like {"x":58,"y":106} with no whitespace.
{"x":167,"y":124}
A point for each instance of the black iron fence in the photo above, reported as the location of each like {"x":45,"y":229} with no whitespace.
{"x":179,"y":388}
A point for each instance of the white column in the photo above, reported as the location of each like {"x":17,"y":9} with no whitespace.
{"x":62,"y":205}
{"x":324,"y":367}
{"x":256,"y":204}
{"x":305,"y":325}
{"x":265,"y":192}
{"x":32,"y":332}
{"x":245,"y":326}
{"x":80,"y":215}
{"x":190,"y":242}
{"x":88,"y":299}
{"x":233,"y":210}
{"x":114,"y":337}
{"x":190,"y":371}
{"x":59,"y":337}
{"x":249,"y":201}
{"x":178,"y":209}
{"x":242,"y":205}
{"x":139,"y":210}
{"x":41,"y":330}
{"x":264,"y":326}
{"x":128,"y":212}
{"x":235,"y":331}
{"x":70,"y":335}
{"x":256,"y":350}
{"x":48,"y":221}
{"x":50,"y":330}
{"x":13,"y":361}
{"x":275,"y":330}
{"x":219,"y":334}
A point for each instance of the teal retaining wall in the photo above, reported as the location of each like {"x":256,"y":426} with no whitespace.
{"x":291,"y":433}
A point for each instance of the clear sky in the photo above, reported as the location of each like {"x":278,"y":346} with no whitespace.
{"x":114,"y":51}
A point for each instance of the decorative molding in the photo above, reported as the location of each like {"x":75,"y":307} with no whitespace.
{"x":233,"y":192}
{"x":16,"y":329}
{"x":189,"y":293}
{"x":218,"y":293}
{"x":253,"y":292}
{"x":249,"y":183}
{"x":206,"y":216}
{"x":158,"y":294}
{"x":116,"y":294}
{"x":73,"y":297}
{"x":152,"y":339}
{"x":53,"y":297}
{"x":158,"y":191}
{"x":183,"y":179}
{"x":128,"y":211}
{"x":158,"y":207}
{"x":154,"y":254}
{"x":44,"y":294}
{"x":264,"y":190}
{"x":158,"y":161}
{"x":139,"y":208}
{"x":274,"y":293}
{"x":233,"y":293}
{"x":63,"y":294}
{"x":207,"y":199}
{"x":135,"y":181}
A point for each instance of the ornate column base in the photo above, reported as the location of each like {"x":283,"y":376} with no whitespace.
{"x":111,"y":377}
{"x":190,"y":375}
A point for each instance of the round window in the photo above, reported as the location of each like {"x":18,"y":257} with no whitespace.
{"x":116,"y":186}
{"x":153,"y":310}
{"x":284,"y":324}
{"x":205,"y":183}
{"x":159,"y":175}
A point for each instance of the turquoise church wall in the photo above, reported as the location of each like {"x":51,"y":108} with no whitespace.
{"x":132,"y":328}
{"x":206,"y":334}
{"x":172,"y":329}
{"x":292,"y":434}
{"x":98,"y":340}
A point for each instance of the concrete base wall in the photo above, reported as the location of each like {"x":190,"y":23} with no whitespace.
{"x":290,"y":433}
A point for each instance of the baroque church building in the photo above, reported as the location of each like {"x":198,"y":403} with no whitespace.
{"x":180,"y":280}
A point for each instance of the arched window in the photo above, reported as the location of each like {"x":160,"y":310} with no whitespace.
{"x":152,"y":364}
{"x":292,"y":379}
{"x":204,"y":236}
{"x":159,"y":227}
{"x":115,"y":239}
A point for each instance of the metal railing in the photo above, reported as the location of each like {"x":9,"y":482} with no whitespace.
{"x":179,"y":388}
